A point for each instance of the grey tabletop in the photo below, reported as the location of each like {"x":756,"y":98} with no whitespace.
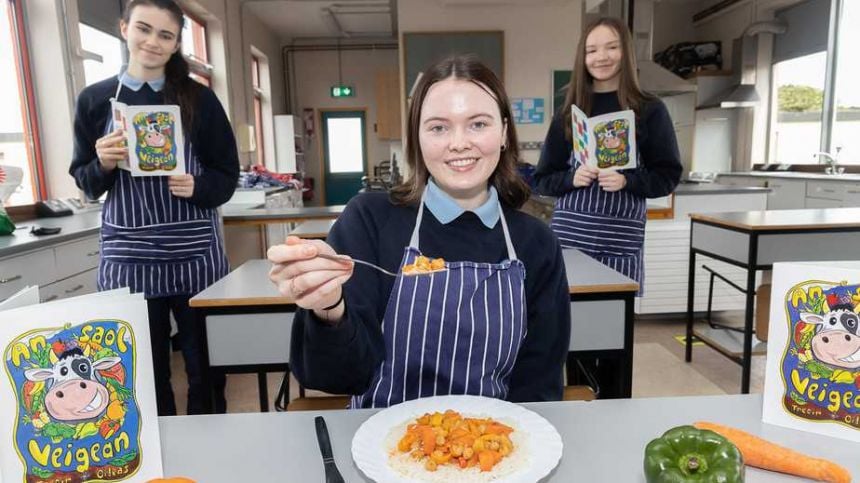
{"x":603,"y":440}
{"x":799,"y":175}
{"x":72,"y":227}
{"x":808,"y":219}
{"x":313,"y":229}
{"x":239,"y":214}
{"x":249,"y":284}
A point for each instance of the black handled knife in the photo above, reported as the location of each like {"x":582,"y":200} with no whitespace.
{"x":332,"y":475}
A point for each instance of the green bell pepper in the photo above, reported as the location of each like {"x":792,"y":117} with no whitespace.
{"x":686,"y":453}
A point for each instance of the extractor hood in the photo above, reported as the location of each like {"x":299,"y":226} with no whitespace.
{"x":743,"y":93}
{"x":653,"y":77}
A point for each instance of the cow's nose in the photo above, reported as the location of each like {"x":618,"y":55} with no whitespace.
{"x":848,"y":337}
{"x":83,"y":385}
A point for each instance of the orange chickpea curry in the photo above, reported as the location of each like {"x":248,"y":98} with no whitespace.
{"x":424,"y":265}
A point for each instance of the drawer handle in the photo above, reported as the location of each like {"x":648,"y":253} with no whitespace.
{"x":52,"y":297}
{"x":10,"y":279}
{"x":853,"y":192}
{"x":828,"y":191}
{"x":93,"y":254}
{"x":75,"y":288}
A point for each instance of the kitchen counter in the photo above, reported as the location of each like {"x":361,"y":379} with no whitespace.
{"x":796,"y":175}
{"x":73,"y":227}
{"x":253,"y":215}
{"x":688,"y":189}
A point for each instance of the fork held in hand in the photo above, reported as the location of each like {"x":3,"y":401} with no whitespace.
{"x":344,"y":259}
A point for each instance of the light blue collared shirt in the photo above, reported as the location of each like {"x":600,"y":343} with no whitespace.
{"x":135,"y":84}
{"x":446,"y":210}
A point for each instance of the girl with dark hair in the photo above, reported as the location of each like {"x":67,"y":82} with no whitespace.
{"x":602,"y":213}
{"x":160,"y":236}
{"x":495,"y":322}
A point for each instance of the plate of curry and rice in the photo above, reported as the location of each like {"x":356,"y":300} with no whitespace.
{"x":456,"y":438}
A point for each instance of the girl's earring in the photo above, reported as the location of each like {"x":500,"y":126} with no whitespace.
{"x":504,"y":147}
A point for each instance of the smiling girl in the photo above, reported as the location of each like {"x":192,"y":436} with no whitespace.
{"x":495,"y":323}
{"x":160,"y":236}
{"x":602,"y":212}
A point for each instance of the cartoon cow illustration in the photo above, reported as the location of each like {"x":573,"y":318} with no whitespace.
{"x":75,"y":391}
{"x":835,"y":341}
{"x":154,"y":137}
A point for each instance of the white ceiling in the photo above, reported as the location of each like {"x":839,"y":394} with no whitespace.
{"x":291,"y":19}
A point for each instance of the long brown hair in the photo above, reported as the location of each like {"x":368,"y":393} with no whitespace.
{"x":581,"y":88}
{"x":179,"y":88}
{"x":512,"y":190}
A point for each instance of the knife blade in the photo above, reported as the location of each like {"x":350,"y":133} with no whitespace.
{"x":332,"y":475}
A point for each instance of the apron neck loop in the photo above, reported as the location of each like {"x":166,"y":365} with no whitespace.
{"x":413,"y":241}
{"x":118,"y":86}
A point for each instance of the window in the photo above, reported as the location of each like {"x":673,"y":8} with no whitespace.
{"x":846,"y":130}
{"x":195,"y":50}
{"x":19,"y":139}
{"x":104,"y":54}
{"x":798,"y":98}
{"x":803,"y":122}
{"x":258,"y":109}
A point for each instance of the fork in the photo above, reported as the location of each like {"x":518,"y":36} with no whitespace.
{"x":343,"y":259}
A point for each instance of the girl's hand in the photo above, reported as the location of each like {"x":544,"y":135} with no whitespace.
{"x":314,"y":283}
{"x":181,"y":185}
{"x":612,"y":180}
{"x":111,"y":149}
{"x":584,"y":176}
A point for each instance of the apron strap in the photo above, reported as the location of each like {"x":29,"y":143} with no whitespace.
{"x":413,"y":241}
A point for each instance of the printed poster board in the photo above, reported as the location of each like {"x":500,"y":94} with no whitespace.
{"x":156,"y":144}
{"x":77,"y":394}
{"x":812,"y":380}
{"x":607,"y":141}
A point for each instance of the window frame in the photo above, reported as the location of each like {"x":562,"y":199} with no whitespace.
{"x":257,"y":89}
{"x":198,"y":60}
{"x":27,"y":99}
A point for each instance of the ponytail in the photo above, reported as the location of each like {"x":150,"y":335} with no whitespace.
{"x":179,"y":88}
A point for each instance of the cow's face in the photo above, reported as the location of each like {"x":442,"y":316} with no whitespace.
{"x":73,"y":393}
{"x":835,"y":341}
{"x":153,"y":136}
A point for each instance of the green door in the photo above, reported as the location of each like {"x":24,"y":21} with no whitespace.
{"x":344,"y":154}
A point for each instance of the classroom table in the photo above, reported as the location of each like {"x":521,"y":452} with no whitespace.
{"x":604,"y":440}
{"x":601,"y":322}
{"x":254,"y":215}
{"x":313,"y":229}
{"x":755,"y":240}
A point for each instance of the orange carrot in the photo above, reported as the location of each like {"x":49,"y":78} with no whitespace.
{"x":761,"y":453}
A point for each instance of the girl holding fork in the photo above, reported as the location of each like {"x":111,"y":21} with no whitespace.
{"x":495,"y":322}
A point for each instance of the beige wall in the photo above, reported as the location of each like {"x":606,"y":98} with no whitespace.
{"x":673,"y":23}
{"x":539,"y":37}
{"x":315,"y":72}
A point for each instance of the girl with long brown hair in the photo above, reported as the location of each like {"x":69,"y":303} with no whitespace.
{"x":386,"y":339}
{"x":602,"y":212}
{"x":160,"y":235}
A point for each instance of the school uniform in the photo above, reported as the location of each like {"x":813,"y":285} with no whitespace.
{"x":610,"y":226}
{"x":495,"y":323}
{"x":152,"y":242}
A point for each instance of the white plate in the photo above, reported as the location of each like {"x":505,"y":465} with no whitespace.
{"x":371,"y":455}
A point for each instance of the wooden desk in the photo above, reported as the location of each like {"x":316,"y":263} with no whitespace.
{"x":601,"y":321}
{"x":755,"y":240}
{"x":603,"y":440}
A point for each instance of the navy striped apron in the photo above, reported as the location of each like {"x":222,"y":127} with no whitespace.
{"x":451,"y":332}
{"x":607,"y":226}
{"x":154,"y":242}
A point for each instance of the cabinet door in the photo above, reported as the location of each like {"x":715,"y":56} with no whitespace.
{"x":80,"y":284}
{"x":35,"y":268}
{"x":822,"y":203}
{"x":851,"y":196}
{"x":786,"y":194}
{"x":830,"y":190}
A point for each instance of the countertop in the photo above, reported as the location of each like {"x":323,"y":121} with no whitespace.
{"x":684,"y":189}
{"x":797,"y":175}
{"x":73,"y":227}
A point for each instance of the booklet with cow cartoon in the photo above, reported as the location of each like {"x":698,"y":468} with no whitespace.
{"x":812,"y":380}
{"x":77,"y":400}
{"x":156,"y":145}
{"x":607,"y":141}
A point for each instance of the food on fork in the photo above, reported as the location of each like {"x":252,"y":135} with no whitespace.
{"x":424,"y":265}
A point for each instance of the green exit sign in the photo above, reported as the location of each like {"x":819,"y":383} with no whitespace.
{"x":342,"y":91}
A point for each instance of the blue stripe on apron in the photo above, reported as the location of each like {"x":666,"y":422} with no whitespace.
{"x":608,"y":226}
{"x":451,"y":332}
{"x":156,"y":243}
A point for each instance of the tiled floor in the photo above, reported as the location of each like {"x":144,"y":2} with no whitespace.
{"x":658,"y":370}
